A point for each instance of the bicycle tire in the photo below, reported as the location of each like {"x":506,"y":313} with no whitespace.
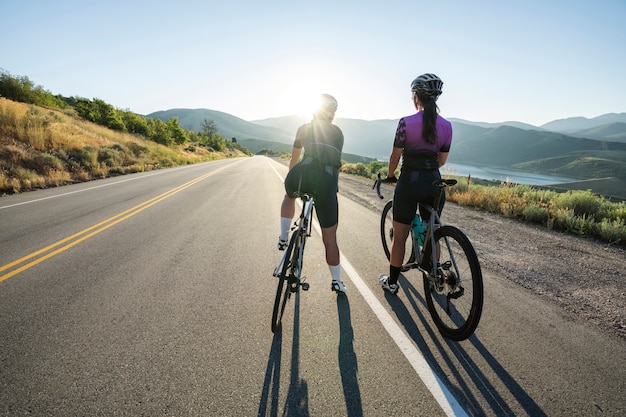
{"x":283,"y":292}
{"x":386,"y":234}
{"x":455,"y":310}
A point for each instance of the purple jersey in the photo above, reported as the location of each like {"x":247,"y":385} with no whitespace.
{"x":409,"y":135}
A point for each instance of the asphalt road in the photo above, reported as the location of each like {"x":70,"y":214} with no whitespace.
{"x":151,"y":295}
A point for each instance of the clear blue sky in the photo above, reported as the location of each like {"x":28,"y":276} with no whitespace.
{"x":532,"y":61}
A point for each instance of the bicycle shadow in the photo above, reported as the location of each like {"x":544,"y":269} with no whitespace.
{"x":452,"y":377}
{"x":297,"y":401}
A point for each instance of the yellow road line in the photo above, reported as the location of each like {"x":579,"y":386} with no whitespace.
{"x":91,"y":231}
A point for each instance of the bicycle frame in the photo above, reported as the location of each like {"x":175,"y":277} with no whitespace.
{"x":305,"y":225}
{"x":434,"y":222}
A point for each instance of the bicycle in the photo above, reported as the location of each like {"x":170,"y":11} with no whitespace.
{"x":289,"y":268}
{"x":453,"y":282}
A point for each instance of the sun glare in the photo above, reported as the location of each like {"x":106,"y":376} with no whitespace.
{"x":302,"y":98}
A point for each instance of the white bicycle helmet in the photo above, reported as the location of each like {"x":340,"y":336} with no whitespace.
{"x":428,"y":84}
{"x":328,"y":103}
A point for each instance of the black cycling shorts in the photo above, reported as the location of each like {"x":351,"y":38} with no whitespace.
{"x":309,"y":177}
{"x":415,"y":187}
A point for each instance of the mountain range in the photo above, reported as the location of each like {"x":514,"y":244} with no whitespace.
{"x":500,"y":144}
{"x":591,"y":150}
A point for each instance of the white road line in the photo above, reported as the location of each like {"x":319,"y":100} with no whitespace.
{"x":139,"y":177}
{"x":439,"y":391}
{"x":82,"y":190}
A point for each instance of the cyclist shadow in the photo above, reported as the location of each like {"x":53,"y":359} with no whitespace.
{"x":348,"y":365}
{"x":452,"y":377}
{"x":297,"y":401}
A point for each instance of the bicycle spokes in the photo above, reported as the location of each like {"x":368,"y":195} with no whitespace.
{"x":454,"y":290}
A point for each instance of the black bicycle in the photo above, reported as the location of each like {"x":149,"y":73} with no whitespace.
{"x":453,"y":281}
{"x":289,"y":268}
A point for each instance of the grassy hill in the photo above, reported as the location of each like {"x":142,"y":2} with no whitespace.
{"x":227,"y":125}
{"x":42,"y":147}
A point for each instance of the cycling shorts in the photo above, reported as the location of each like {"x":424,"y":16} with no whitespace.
{"x":320,"y":181}
{"x":415,"y":187}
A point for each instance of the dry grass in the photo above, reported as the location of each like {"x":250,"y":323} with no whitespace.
{"x":42,"y":147}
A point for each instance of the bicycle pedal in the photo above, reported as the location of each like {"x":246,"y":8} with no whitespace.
{"x":456,"y":294}
{"x":305,"y":286}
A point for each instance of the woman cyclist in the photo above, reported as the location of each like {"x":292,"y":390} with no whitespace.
{"x":423,"y":141}
{"x":317,"y":174}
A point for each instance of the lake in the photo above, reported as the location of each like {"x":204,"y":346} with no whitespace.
{"x":502,"y":174}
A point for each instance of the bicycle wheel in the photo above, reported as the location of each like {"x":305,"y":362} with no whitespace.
{"x":285,"y":280}
{"x":455,"y":298}
{"x":386,"y":234}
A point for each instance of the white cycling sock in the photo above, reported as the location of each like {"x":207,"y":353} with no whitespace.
{"x":285,"y":223}
{"x":335,"y":272}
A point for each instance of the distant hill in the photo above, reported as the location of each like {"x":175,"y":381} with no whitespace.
{"x":615,"y":132}
{"x":519,"y":125}
{"x":575,"y":124}
{"x":372,"y":139}
{"x":228,"y":125}
{"x":509,"y":146}
{"x":599,"y":152}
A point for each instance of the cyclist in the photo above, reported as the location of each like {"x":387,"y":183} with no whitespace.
{"x":318,"y":174}
{"x":423,"y":141}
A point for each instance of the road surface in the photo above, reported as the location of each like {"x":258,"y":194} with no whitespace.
{"x":151,"y":294}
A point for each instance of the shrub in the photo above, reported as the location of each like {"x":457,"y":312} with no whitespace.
{"x":583,"y":203}
{"x":612,"y":231}
{"x":616,"y":212}
{"x":44,"y":163}
{"x":58,"y":177}
{"x":29,"y":179}
{"x":536,"y":214}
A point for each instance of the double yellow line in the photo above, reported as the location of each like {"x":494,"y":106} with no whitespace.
{"x":73,"y":240}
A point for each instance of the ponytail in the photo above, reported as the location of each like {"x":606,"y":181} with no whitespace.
{"x":429,"y":121}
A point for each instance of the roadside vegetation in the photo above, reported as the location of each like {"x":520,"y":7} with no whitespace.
{"x":579,"y":212}
{"x":48,"y":140}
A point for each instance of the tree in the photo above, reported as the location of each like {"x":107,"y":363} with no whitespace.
{"x":135,"y":123}
{"x":209,"y":127}
{"x":177,"y":132}
{"x":159,"y":132}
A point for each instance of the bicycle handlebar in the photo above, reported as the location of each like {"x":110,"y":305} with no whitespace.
{"x":441,"y":183}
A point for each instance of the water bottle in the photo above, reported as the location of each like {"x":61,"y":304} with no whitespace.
{"x":419,"y":229}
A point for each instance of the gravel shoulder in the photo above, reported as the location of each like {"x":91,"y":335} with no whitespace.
{"x":585,"y":277}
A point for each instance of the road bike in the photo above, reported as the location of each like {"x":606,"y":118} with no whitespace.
{"x":289,"y":268}
{"x":453,"y":282}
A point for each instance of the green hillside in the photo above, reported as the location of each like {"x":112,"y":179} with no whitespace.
{"x":615,"y":132}
{"x":227,"y":125}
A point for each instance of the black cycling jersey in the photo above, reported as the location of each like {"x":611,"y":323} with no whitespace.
{"x":318,"y":172}
{"x":322,"y":141}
